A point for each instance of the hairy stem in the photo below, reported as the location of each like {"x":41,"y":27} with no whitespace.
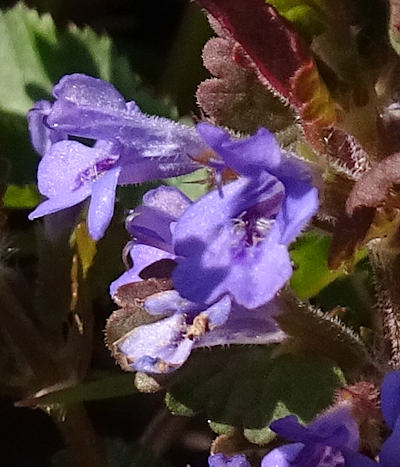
{"x":385,"y":261}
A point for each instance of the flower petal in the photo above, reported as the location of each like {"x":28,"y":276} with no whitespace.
{"x":284,"y":456}
{"x":390,"y":398}
{"x":101,"y":206}
{"x":261,"y":150}
{"x":142,"y":256}
{"x":219,"y":460}
{"x":159,"y":347}
{"x":61,"y":202}
{"x":68,"y":165}
{"x":41,"y":135}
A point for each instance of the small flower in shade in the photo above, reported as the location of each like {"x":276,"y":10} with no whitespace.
{"x":151,"y":226}
{"x":165,"y":345}
{"x":234,"y":240}
{"x":129,"y":147}
{"x":331,"y":440}
{"x":390,"y":405}
{"x":219,"y":460}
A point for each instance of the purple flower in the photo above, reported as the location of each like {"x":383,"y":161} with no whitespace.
{"x":165,"y":345}
{"x":129,"y":147}
{"x":151,"y":226}
{"x":331,"y":440}
{"x":219,"y":460}
{"x":390,"y":404}
{"x":235,"y":242}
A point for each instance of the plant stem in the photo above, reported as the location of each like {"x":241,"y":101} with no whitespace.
{"x":84,"y":447}
{"x":385,"y":261}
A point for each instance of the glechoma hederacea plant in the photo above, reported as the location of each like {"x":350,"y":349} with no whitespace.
{"x":250,"y":304}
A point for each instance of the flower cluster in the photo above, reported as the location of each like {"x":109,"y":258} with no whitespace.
{"x":228,"y":249}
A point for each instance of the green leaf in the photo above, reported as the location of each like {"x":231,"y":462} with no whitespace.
{"x":193,"y":185}
{"x":34,"y":56}
{"x":311,"y":274}
{"x":244,"y":387}
{"x":21,"y":197}
{"x":305,"y":15}
{"x":103,"y":388}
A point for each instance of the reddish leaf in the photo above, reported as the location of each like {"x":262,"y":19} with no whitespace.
{"x":131,"y":294}
{"x":235,"y":97}
{"x":373,"y":187}
{"x":350,"y":231}
{"x":280,"y":58}
{"x":276,"y":50}
{"x":346,"y":155}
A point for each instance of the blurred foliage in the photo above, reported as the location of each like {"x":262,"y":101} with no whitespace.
{"x":35,"y":55}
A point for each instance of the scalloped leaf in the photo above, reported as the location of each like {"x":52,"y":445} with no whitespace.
{"x":235,"y":97}
{"x":34,"y":56}
{"x":281,"y":59}
{"x":243,"y":387}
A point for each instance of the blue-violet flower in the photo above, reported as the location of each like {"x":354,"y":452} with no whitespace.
{"x":129,"y":147}
{"x":234,"y":240}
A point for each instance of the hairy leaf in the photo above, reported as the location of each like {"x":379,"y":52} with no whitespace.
{"x":323,"y":334}
{"x":34,"y":56}
{"x":235,"y":97}
{"x":374,"y":186}
{"x":280,"y":59}
{"x":349,"y":235}
{"x":244,"y":387}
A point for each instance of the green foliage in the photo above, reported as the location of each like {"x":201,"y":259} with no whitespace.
{"x":193,"y":185}
{"x":311,"y":274}
{"x":21,"y":197}
{"x":305,"y":15}
{"x":35,"y":55}
{"x":244,"y":387}
{"x":105,"y":387}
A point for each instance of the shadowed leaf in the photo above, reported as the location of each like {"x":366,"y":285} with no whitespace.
{"x":323,"y":334}
{"x":348,"y":236}
{"x":245,"y":388}
{"x":373,"y":187}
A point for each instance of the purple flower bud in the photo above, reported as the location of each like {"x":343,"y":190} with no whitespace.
{"x":219,"y":460}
